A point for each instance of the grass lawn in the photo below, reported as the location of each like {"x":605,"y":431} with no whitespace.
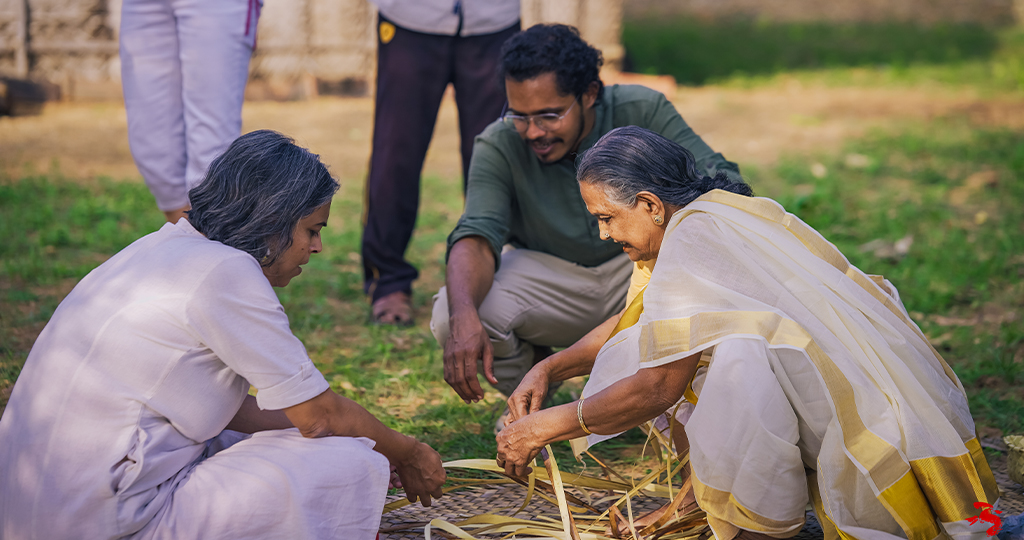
{"x":936,"y":207}
{"x":748,"y":53}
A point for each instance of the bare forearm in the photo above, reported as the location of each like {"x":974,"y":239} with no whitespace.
{"x":623,"y":405}
{"x":579,"y":358}
{"x":330,"y":414}
{"x":418,"y":466}
{"x":358,"y":422}
{"x":636,"y":399}
{"x":470,"y":274}
{"x":469,"y":278}
{"x":250,"y":418}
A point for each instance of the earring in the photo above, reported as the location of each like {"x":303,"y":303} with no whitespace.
{"x":658,"y":220}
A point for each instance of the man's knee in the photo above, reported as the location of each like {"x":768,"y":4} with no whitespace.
{"x":495,"y":316}
{"x":439,"y":317}
{"x":505,"y":345}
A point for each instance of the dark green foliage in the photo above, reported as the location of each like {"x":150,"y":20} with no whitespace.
{"x":700,"y":52}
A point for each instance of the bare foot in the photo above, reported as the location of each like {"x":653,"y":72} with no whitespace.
{"x":394,"y":308}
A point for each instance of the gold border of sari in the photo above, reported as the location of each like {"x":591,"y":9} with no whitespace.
{"x":724,"y":506}
{"x":914,"y":492}
{"x":630,"y":316}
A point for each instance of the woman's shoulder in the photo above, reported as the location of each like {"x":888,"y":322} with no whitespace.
{"x":205,"y":252}
{"x":178,"y":257}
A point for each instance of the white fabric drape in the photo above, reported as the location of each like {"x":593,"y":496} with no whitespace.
{"x":277,"y":485}
{"x":815,"y":368}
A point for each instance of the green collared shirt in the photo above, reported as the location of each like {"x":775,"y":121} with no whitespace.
{"x":514,"y":198}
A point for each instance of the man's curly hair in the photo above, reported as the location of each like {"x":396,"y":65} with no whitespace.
{"x":552,"y":48}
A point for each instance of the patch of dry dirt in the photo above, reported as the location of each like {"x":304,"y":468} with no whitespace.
{"x":758,"y":126}
{"x":748,"y":126}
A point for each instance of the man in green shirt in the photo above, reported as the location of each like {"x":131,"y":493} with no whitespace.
{"x":505,"y":307}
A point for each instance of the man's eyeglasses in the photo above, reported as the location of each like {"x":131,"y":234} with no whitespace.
{"x":544,"y":122}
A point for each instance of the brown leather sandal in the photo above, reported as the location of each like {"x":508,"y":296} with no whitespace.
{"x":394,"y":309}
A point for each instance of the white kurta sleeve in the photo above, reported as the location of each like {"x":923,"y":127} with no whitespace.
{"x":235,"y":312}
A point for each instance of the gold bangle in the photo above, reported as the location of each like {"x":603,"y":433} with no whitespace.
{"x":579,"y":415}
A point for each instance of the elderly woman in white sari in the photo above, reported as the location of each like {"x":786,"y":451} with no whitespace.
{"x":799,"y":378}
{"x":132,"y":416}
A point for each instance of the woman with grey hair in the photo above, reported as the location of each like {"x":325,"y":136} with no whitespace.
{"x":132,"y":416}
{"x":799,"y":379}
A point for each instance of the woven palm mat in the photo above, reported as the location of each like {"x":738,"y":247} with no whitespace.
{"x":505,"y":499}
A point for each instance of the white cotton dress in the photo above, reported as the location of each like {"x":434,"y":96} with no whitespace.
{"x":115,"y":427}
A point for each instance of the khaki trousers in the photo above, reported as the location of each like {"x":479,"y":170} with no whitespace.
{"x":543,"y":300}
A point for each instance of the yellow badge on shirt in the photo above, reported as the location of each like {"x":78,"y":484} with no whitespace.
{"x":387,"y":32}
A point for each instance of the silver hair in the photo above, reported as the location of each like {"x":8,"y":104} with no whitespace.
{"x":256,"y":192}
{"x":630,"y":159}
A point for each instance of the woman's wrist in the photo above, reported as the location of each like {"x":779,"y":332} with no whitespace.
{"x":564,"y":365}
{"x":560,"y":366}
{"x":399,"y":449}
{"x":556,"y":425}
{"x":546,"y":367}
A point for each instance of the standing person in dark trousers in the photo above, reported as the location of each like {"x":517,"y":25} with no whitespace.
{"x":423,"y":46}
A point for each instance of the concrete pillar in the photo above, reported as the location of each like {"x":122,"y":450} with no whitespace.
{"x":599,"y":22}
{"x":21,"y":38}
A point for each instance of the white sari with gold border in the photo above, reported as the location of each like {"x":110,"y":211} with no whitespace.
{"x":818,"y":387}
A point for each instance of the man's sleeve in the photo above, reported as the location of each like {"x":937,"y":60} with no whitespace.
{"x":664,"y":119}
{"x":488,"y":200}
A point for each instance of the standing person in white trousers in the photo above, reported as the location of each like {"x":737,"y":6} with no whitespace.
{"x":184,"y":65}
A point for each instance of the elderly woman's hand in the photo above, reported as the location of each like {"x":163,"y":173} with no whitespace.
{"x":421,"y":474}
{"x":518,"y":444}
{"x":529,"y":395}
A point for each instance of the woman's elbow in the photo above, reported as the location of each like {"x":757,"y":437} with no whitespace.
{"x":314,"y":417}
{"x":666,"y":384}
{"x":661,"y":400}
{"x":316,"y":429}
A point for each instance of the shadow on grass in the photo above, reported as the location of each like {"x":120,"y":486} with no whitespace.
{"x":697,"y":52}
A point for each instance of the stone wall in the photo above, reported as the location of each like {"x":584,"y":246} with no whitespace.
{"x":71,"y":44}
{"x":989,"y":12}
{"x":308,"y":47}
{"x":599,"y":22}
{"x":305,"y":47}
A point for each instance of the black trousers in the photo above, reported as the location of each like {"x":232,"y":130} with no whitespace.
{"x":413,"y":70}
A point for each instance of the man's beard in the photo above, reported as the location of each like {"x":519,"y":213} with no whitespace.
{"x":572,"y":148}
